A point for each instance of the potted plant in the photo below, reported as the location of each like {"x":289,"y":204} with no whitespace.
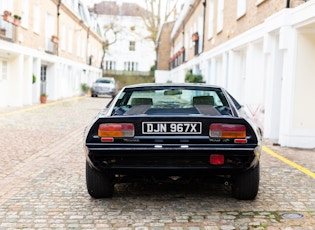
{"x":193,"y":78}
{"x":43,"y":98}
{"x":7,"y":13}
{"x":17,"y":20}
{"x":54,"y":39}
{"x":7,"y":16}
{"x":195,"y":37}
{"x":85,"y":88}
{"x":34,"y":79}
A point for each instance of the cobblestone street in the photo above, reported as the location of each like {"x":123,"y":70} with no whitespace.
{"x":42,"y":183}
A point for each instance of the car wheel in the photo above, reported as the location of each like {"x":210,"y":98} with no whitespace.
{"x":245,"y":185}
{"x":99,"y":185}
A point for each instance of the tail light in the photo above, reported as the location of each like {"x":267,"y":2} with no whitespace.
{"x":227,"y":131}
{"x":217,"y":159}
{"x":116,"y":130}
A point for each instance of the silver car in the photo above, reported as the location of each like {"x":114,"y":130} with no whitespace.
{"x":104,"y":86}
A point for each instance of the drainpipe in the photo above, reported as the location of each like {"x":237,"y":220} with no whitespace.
{"x":58,"y":14}
{"x":204,"y":3}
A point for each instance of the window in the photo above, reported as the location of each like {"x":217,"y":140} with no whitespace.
{"x":73,"y":4}
{"x":36,"y":21}
{"x":200,"y":32}
{"x":110,"y":65}
{"x":83,"y":48}
{"x":78,"y":46}
{"x":241,"y":8}
{"x":132,"y":45}
{"x":131,"y":66}
{"x":82,"y":13}
{"x":50,"y":23}
{"x":63,"y":37}
{"x":70,"y":39}
{"x":191,"y":43}
{"x":211,"y":17}
{"x":6,"y":5}
{"x":25,"y":13}
{"x":188,"y":101}
{"x":220,"y":16}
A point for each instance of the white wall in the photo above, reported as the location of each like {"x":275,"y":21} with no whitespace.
{"x":63,"y":76}
{"x":304,"y":87}
{"x":270,"y":69}
{"x":144,"y":53}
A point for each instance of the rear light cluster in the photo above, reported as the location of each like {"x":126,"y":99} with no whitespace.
{"x":233,"y":131}
{"x":110,"y":130}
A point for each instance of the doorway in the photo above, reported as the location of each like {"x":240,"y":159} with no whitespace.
{"x":43,"y":76}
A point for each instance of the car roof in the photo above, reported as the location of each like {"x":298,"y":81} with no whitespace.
{"x":167,"y":85}
{"x":106,"y":78}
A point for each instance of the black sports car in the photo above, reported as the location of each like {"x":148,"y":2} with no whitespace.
{"x":173,"y":132}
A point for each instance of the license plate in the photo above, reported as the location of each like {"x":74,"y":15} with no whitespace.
{"x":171,"y":127}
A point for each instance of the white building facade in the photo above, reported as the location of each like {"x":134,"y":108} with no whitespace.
{"x":31,"y":63}
{"x":130,"y":49}
{"x":270,"y":70}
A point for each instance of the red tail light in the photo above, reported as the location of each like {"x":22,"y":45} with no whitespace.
{"x":116,"y":130}
{"x":217,"y":159}
{"x":227,"y":130}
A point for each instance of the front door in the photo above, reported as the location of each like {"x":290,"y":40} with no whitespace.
{"x":43,"y":75}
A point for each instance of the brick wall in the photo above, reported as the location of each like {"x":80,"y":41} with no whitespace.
{"x":85,"y":43}
{"x":232,"y":26}
{"x":164,"y":47}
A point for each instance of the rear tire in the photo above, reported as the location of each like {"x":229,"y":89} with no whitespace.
{"x":245,"y":185}
{"x":99,"y":185}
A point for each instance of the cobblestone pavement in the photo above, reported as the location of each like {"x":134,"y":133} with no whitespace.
{"x":42,"y":183}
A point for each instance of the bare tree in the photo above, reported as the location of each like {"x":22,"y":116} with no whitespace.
{"x":111,"y":31}
{"x":158,"y":12}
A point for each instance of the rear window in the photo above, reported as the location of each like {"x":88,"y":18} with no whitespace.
{"x":107,"y":81}
{"x":172,"y":101}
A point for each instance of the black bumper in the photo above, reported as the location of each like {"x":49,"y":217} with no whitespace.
{"x":171,"y":161}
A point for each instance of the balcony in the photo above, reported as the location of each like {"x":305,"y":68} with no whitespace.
{"x":52,"y":45}
{"x":7,"y":30}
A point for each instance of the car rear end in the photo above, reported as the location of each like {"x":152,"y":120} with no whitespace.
{"x":173,"y":132}
{"x":103,"y":86}
{"x":168,"y":145}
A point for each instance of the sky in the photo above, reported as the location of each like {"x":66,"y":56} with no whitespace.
{"x":139,"y":2}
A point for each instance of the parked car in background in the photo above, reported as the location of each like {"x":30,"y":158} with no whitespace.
{"x":104,"y":86}
{"x":173,"y":132}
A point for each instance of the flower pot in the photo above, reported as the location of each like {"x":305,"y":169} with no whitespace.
{"x":7,"y":18}
{"x":54,"y":39}
{"x":43,"y":99}
{"x":195,"y":37}
{"x":16,"y":21}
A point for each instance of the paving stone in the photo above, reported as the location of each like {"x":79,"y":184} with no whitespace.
{"x":42,"y":184}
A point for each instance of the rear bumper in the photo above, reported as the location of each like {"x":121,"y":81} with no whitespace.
{"x":102,"y":92}
{"x":172,"y":161}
